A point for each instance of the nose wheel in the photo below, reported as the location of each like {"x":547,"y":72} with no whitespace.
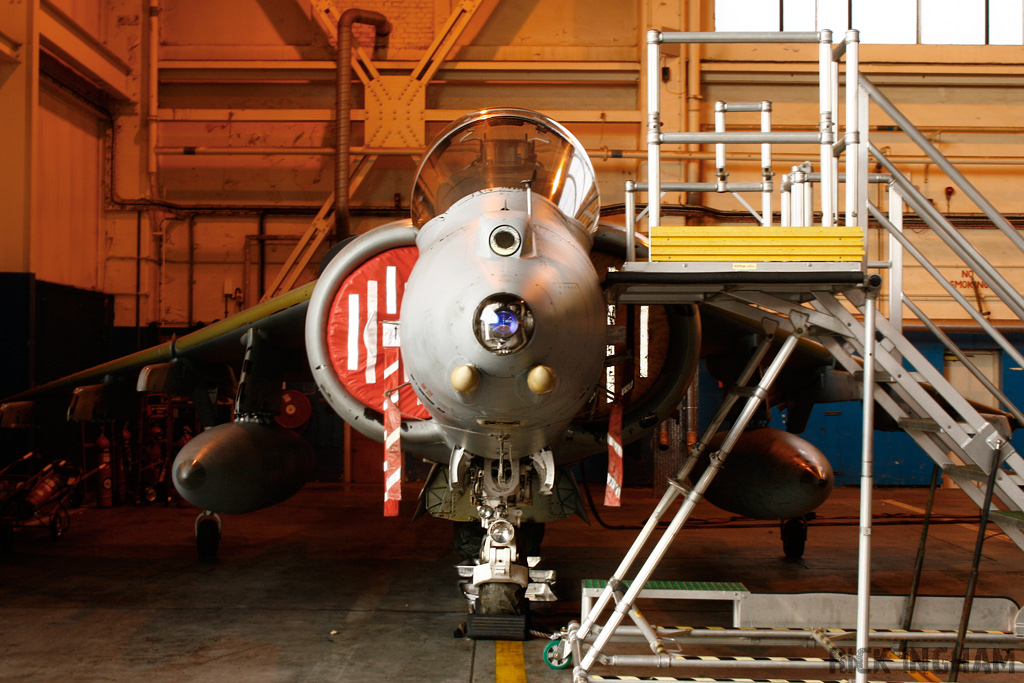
{"x":501,"y":598}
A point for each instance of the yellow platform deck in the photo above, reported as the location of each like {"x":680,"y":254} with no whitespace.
{"x":747,"y":243}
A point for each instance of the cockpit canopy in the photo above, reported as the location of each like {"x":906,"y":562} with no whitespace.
{"x":506,"y":148}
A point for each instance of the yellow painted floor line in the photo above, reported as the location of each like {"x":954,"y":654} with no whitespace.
{"x":509,"y":665}
{"x":998,"y":533}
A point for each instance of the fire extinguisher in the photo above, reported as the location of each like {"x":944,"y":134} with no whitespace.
{"x":44,"y":488}
{"x":105,"y":498}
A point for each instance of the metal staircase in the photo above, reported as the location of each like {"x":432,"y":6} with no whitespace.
{"x":810,"y":281}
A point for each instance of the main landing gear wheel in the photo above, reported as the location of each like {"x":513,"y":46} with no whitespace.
{"x":553,"y":657}
{"x":468,"y":537}
{"x":794,"y":537}
{"x":208,"y":536}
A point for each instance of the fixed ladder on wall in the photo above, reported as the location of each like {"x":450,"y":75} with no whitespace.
{"x":809,"y":281}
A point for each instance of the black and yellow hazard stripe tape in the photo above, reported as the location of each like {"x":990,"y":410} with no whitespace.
{"x":797,"y":629}
{"x":701,"y":679}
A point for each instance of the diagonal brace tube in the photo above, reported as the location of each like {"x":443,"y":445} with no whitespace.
{"x":673,"y":491}
{"x":690,"y":503}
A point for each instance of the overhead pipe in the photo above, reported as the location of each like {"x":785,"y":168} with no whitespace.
{"x":596,"y":154}
{"x":191,"y":268}
{"x":343,"y":105}
{"x":152,"y":95}
{"x":138,"y":280}
{"x":261,"y":283}
{"x":152,"y":108}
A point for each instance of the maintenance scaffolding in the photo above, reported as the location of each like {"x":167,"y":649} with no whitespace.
{"x":809,"y":278}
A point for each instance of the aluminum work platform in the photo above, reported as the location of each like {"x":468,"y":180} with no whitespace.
{"x":809,"y":282}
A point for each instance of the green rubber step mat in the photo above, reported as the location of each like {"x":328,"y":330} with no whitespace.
{"x":730,"y":586}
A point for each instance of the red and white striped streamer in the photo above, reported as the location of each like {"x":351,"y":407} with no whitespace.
{"x":613,"y":489}
{"x":392,"y":434}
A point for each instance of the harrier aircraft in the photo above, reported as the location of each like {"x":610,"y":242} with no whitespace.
{"x":477,"y":335}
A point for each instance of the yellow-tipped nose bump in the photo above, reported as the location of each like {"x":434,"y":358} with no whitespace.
{"x":465,"y":379}
{"x":541,"y":380}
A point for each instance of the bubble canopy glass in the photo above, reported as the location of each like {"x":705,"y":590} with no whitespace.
{"x":504,"y":148}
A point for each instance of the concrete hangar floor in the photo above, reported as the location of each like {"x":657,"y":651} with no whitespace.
{"x":324,"y":588}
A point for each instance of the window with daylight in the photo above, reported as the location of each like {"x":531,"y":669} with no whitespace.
{"x":894,"y":22}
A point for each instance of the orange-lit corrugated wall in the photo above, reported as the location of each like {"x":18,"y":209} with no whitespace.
{"x":66,"y":247}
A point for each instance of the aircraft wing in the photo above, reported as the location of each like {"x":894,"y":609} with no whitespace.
{"x":195,"y":361}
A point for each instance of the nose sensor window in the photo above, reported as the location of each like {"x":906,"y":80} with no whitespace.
{"x":503,"y":323}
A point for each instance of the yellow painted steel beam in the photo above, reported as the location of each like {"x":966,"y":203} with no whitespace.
{"x":9,"y":49}
{"x":326,"y":15}
{"x":326,"y":69}
{"x":73,"y":44}
{"x":362,"y":65}
{"x":445,"y":40}
{"x":318,"y":229}
{"x":435,"y":115}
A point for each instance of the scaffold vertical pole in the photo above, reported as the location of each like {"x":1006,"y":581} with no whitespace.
{"x":766,"y":165}
{"x":653,"y":130}
{"x":852,"y":127}
{"x":866,"y":485}
{"x":825,"y":125}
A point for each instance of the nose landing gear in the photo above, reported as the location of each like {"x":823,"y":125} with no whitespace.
{"x":501,"y":583}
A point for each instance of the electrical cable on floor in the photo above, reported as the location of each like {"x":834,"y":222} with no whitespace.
{"x":737,"y":522}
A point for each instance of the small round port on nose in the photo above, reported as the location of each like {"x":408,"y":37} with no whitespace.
{"x":465,"y":378}
{"x":541,"y":380}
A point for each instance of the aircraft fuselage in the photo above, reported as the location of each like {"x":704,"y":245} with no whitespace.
{"x":503,"y":323}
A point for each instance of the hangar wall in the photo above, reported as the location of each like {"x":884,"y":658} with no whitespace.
{"x":178,"y":148}
{"x":170,"y":153}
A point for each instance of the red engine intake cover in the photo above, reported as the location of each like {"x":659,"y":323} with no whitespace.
{"x":367,"y":298}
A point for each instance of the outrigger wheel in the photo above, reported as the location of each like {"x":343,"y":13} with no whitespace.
{"x":794,"y":537}
{"x":208,"y":526}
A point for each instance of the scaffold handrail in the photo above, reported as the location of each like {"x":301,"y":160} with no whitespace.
{"x":952,"y":237}
{"x":742,"y":36}
{"x":932,"y":270}
{"x":942,"y":162}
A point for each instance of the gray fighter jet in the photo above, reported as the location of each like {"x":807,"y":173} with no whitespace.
{"x":480,"y":326}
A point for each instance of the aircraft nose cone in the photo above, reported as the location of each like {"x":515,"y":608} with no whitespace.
{"x":814,"y":476}
{"x":191,"y":474}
